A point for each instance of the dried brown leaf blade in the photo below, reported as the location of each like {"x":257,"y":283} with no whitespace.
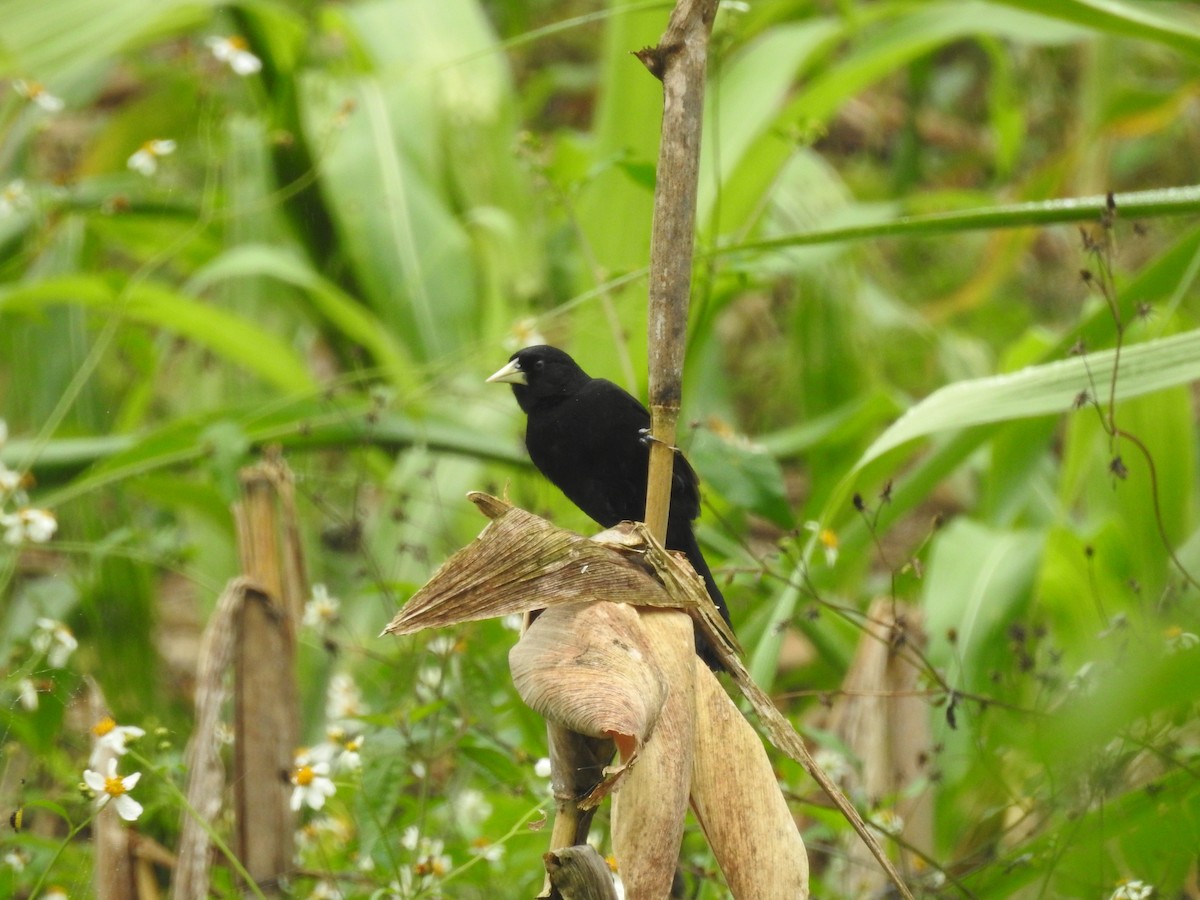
{"x":520,"y":562}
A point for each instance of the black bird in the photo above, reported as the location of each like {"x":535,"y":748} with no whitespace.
{"x":590,"y":438}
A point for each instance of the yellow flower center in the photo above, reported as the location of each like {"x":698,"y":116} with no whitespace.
{"x":237,"y":42}
{"x":104,"y":726}
{"x":114,"y":786}
{"x":829,"y":538}
{"x":1172,"y":631}
{"x":304,"y":776}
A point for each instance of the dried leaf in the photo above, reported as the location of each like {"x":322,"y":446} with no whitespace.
{"x":518,"y":563}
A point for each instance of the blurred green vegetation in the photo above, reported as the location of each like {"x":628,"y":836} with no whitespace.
{"x":889,"y":338}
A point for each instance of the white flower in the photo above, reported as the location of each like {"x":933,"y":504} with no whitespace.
{"x":111,"y":738}
{"x":488,"y":850}
{"x":1132,"y":889}
{"x":1177,"y":639}
{"x":56,"y":892}
{"x":33,"y":525}
{"x":322,"y":610}
{"x":888,"y":820}
{"x":429,"y":680}
{"x":443,"y":645}
{"x":9,"y":481}
{"x":542,"y":768}
{"x":27,"y":692}
{"x":145,"y":160}
{"x":349,"y":758}
{"x":410,"y":837}
{"x":116,"y":788}
{"x":343,"y":699}
{"x":15,"y":859}
{"x":513,"y":621}
{"x":40,"y":524}
{"x":828,"y":539}
{"x":325,"y":890}
{"x":312,"y":784}
{"x":524,"y":333}
{"x":340,"y":749}
{"x":471,"y":807}
{"x":834,"y":764}
{"x":232,"y":51}
{"x":431,"y":860}
{"x":14,"y":197}
{"x":35,"y":92}
{"x":55,"y":640}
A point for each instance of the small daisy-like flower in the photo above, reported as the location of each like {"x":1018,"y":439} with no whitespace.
{"x":541,"y":768}
{"x":349,"y":758}
{"x":55,"y":640}
{"x":56,"y":892}
{"x":325,"y":890}
{"x":234,"y":53}
{"x":828,"y":539}
{"x":471,"y":807}
{"x":431,"y":860}
{"x":16,"y":859}
{"x":322,"y":610}
{"x":443,"y":645}
{"x":410,"y":837}
{"x":429,"y":681}
{"x":10,"y":481}
{"x":111,"y":738}
{"x":1177,"y":639}
{"x":888,"y":820}
{"x":488,"y":850}
{"x":834,"y":764}
{"x":35,"y":92}
{"x":14,"y":197}
{"x":1132,"y":889}
{"x":513,"y":622}
{"x":311,"y":784}
{"x":145,"y":159}
{"x":524,"y":333}
{"x":116,"y":788}
{"x":35,"y":526}
{"x":343,"y":699}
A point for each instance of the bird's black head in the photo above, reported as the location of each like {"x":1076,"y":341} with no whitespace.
{"x":541,"y":376}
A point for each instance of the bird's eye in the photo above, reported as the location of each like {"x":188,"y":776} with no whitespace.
{"x":539,"y":364}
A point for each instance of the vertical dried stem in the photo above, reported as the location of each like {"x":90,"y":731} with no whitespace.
{"x":266,"y":715}
{"x":679,"y":62}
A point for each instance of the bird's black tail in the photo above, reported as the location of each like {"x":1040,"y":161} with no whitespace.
{"x":684,"y":540}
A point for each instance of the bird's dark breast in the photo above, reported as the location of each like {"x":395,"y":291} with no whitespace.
{"x":590,"y":445}
{"x":601,"y":470}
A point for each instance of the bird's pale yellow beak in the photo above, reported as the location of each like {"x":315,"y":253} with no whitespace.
{"x":511,"y":373}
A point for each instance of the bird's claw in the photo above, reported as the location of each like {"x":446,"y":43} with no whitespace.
{"x":645,"y":438}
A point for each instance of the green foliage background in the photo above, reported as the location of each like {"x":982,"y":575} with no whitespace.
{"x":887,"y":292}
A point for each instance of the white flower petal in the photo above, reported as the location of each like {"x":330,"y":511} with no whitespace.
{"x":128,"y":808}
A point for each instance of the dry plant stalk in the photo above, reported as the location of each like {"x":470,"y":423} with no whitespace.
{"x":679,"y":61}
{"x":206,"y":775}
{"x":881,"y":717}
{"x":579,"y":873}
{"x":266,"y":716}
